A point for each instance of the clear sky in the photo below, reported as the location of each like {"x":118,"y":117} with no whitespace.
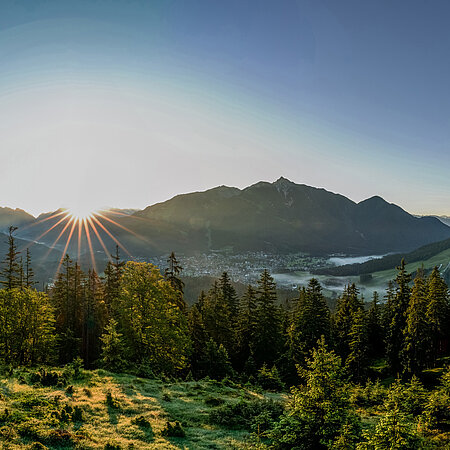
{"x":127,"y":103}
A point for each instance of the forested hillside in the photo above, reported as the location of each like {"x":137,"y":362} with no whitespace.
{"x":361,"y":376}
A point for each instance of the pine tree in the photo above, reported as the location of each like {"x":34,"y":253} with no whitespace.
{"x":29,"y":273}
{"x":113,"y":273}
{"x":217,"y":318}
{"x":246,"y":327}
{"x":11,"y":271}
{"x":347,"y":306}
{"x":113,"y":350}
{"x":310,"y":321}
{"x":437,"y":313}
{"x":199,"y":339}
{"x":356,"y":361}
{"x":268,"y":337}
{"x":397,"y":315}
{"x":229,"y":294}
{"x":375,"y":331}
{"x":172,"y":275}
{"x":417,"y":338}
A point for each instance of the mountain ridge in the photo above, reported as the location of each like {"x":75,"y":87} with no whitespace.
{"x":279,"y":217}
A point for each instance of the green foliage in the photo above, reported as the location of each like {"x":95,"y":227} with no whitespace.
{"x":217,"y":361}
{"x":153,"y":326}
{"x":269,"y":379}
{"x":395,"y":430}
{"x":319,"y":414}
{"x":111,"y":401}
{"x":267,"y":342}
{"x":310,"y":321}
{"x":249,"y":415}
{"x":113,"y":351}
{"x":27,"y":333}
{"x":173,"y":430}
{"x":47,"y":378}
{"x":141,"y":421}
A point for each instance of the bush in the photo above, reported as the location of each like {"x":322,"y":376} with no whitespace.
{"x":214,"y":401}
{"x":37,"y":446}
{"x":166,"y":397}
{"x":269,"y":379}
{"x":141,"y":421}
{"x":173,"y":430}
{"x":247,"y":414}
{"x":47,"y":378}
{"x":111,"y":401}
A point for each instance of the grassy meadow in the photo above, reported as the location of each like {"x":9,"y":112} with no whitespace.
{"x":101,"y":410}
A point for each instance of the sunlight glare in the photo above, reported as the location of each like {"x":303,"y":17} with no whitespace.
{"x":80,"y":213}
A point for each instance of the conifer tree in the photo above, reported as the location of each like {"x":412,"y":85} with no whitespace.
{"x":199,"y":339}
{"x":397,"y":318}
{"x":172,"y":275}
{"x":113,"y":273}
{"x":11,"y":271}
{"x":347,"y":306}
{"x":268,"y":337}
{"x":417,"y":338}
{"x":310,"y":321}
{"x":246,"y":327}
{"x":356,"y":361}
{"x":217,"y":318}
{"x":375,"y":332}
{"x":29,"y":272}
{"x":437,"y":313}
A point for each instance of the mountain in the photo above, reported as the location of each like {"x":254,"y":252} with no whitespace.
{"x":278,"y":217}
{"x":16,"y":217}
{"x":282,"y":217}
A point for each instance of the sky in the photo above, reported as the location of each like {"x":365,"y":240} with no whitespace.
{"x":128,"y":103}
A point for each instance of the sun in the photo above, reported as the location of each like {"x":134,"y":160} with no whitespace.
{"x":81,"y":213}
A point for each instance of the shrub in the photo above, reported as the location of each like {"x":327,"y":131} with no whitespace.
{"x":247,"y":414}
{"x":269,"y":379}
{"x":214,"y":401}
{"x":111,"y":401}
{"x":37,"y":446}
{"x":173,"y":430}
{"x":141,"y":421}
{"x":47,"y":378}
{"x":166,"y":397}
{"x":112,"y":446}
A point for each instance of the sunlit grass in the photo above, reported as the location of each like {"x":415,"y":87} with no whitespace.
{"x":155,"y":401}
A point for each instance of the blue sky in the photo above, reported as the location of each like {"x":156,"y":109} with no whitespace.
{"x":174,"y":96}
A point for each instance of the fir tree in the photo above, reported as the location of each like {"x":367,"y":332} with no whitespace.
{"x":437,"y":313}
{"x":268,"y":338}
{"x":397,"y":317}
{"x":417,"y":339}
{"x":11,"y":271}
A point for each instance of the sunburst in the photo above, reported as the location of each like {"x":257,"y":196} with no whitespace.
{"x":83,"y":225}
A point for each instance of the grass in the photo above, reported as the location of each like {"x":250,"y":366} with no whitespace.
{"x":116,"y":411}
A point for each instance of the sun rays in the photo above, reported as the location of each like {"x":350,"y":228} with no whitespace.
{"x":79,"y":231}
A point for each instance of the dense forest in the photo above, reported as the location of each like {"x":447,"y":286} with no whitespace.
{"x":366,"y":375}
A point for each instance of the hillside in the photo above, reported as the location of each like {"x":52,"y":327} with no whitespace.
{"x":79,"y":415}
{"x":278,"y":217}
{"x":436,"y":252}
{"x":283,"y":217}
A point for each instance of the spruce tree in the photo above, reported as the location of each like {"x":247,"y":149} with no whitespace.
{"x":437,"y":313}
{"x":417,"y":338}
{"x":246,"y":327}
{"x":375,"y":331}
{"x":172,"y":275}
{"x":347,"y":306}
{"x":397,"y":318}
{"x":268,"y":337}
{"x":310,"y":321}
{"x":11,"y":271}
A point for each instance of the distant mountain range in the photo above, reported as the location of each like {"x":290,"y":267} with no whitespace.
{"x":276,"y":217}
